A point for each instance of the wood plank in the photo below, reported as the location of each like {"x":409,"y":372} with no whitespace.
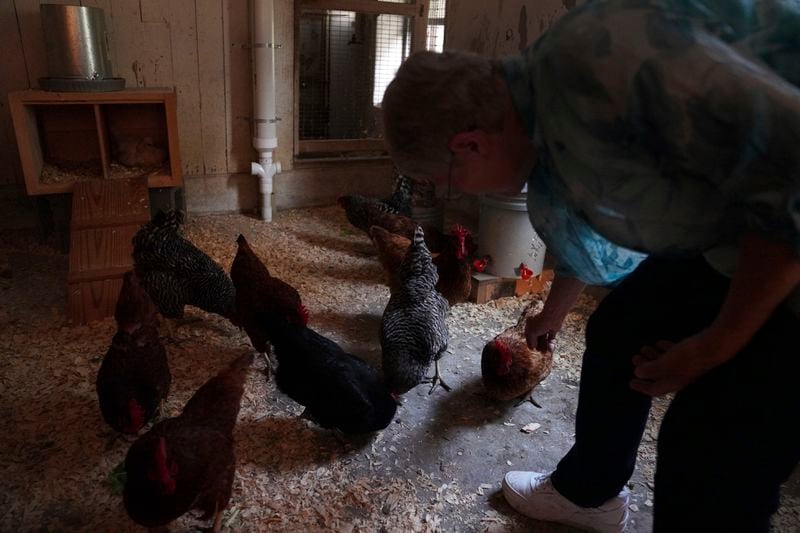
{"x":102,"y":139}
{"x":341,"y":145}
{"x":238,"y":86}
{"x":419,"y":40}
{"x":14,"y":77}
{"x":99,"y":202}
{"x":154,"y":10}
{"x":211,"y":73}
{"x":361,"y":6}
{"x":30,"y":29}
{"x":99,"y":253}
{"x":127,"y":96}
{"x":95,"y":300}
{"x":183,"y":33}
{"x":142,"y":48}
{"x":26,"y":131}
{"x":173,"y":139}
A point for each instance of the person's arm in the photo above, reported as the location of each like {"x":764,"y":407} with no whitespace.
{"x":768,"y":271}
{"x":540,"y":329}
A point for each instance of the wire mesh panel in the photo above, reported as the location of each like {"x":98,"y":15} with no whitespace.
{"x":436,"y":21}
{"x":346,"y":60}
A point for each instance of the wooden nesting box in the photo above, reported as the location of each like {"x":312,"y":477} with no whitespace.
{"x":106,"y":214}
{"x":66,"y":138}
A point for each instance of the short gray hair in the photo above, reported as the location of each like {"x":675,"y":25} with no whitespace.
{"x":433,"y":97}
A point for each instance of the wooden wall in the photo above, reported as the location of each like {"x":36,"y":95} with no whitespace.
{"x":195,"y":46}
{"x":500,"y":28}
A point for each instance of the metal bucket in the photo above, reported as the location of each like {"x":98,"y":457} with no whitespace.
{"x":76,"y":42}
{"x":507,"y":236}
{"x":429,"y":216}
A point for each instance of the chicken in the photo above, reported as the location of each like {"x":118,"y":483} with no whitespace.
{"x":338,"y":389}
{"x":175,"y":273}
{"x":509,"y":368}
{"x":188,"y":462}
{"x":365,"y":216}
{"x":134,"y":376}
{"x":452,"y":264}
{"x":413,"y":328}
{"x":139,"y":152}
{"x":359,"y":209}
{"x":260,"y":294}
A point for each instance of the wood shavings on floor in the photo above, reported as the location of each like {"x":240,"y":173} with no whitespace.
{"x":436,"y":468}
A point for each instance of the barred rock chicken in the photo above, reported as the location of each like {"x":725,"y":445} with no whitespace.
{"x":188,"y":462}
{"x":134,"y":377}
{"x":259,"y":294}
{"x":452,"y":264}
{"x":509,"y":368}
{"x":338,"y":389}
{"x":175,"y":273}
{"x":414,"y":329}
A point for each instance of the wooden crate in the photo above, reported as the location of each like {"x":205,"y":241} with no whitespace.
{"x":80,"y":128}
{"x":486,"y":287}
{"x":106,"y":214}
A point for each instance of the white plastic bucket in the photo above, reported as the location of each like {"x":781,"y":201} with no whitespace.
{"x":507,"y":236}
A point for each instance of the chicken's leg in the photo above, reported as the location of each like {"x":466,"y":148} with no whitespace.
{"x":437,"y":379}
{"x":522,"y":399}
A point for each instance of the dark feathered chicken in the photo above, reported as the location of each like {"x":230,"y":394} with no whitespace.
{"x":452,"y":264}
{"x":134,"y":377}
{"x":359,"y":208}
{"x":176,"y":273}
{"x":338,"y":389}
{"x":414,"y":328}
{"x":509,"y":368}
{"x":364,"y":216}
{"x":188,"y":462}
{"x":260,"y":294}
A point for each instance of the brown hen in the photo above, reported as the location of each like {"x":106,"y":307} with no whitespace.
{"x":452,"y":264}
{"x":188,"y":462}
{"x":509,"y":368}
{"x":260,"y":294}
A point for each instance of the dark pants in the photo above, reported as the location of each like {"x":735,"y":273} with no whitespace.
{"x":728,"y":440}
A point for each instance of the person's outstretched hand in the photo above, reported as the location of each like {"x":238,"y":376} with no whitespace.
{"x":668,"y":366}
{"x":540,"y":332}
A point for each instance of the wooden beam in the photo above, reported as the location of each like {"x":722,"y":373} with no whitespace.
{"x":362,"y":6}
{"x":419,"y":40}
{"x":102,"y":138}
{"x":341,"y":145}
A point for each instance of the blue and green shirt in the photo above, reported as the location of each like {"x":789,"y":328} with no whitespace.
{"x":668,"y":127}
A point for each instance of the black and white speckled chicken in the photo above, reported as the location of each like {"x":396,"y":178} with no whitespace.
{"x":414,"y":329}
{"x":175,"y":273}
{"x":358,"y":207}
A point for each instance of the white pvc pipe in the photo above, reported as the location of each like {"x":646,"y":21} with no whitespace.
{"x":265,"y":137}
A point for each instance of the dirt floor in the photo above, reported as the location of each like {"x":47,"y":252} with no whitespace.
{"x":436,"y":468}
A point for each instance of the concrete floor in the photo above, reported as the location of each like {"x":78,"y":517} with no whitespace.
{"x":452,"y":448}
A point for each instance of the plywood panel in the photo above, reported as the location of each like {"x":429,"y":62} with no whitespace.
{"x":211,"y":71}
{"x":14,"y":76}
{"x":98,"y":252}
{"x":154,"y":10}
{"x":142,"y":48}
{"x":183,"y":30}
{"x":238,"y":85}
{"x":93,"y":300}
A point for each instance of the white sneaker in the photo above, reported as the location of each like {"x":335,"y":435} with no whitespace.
{"x":533,"y":495}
